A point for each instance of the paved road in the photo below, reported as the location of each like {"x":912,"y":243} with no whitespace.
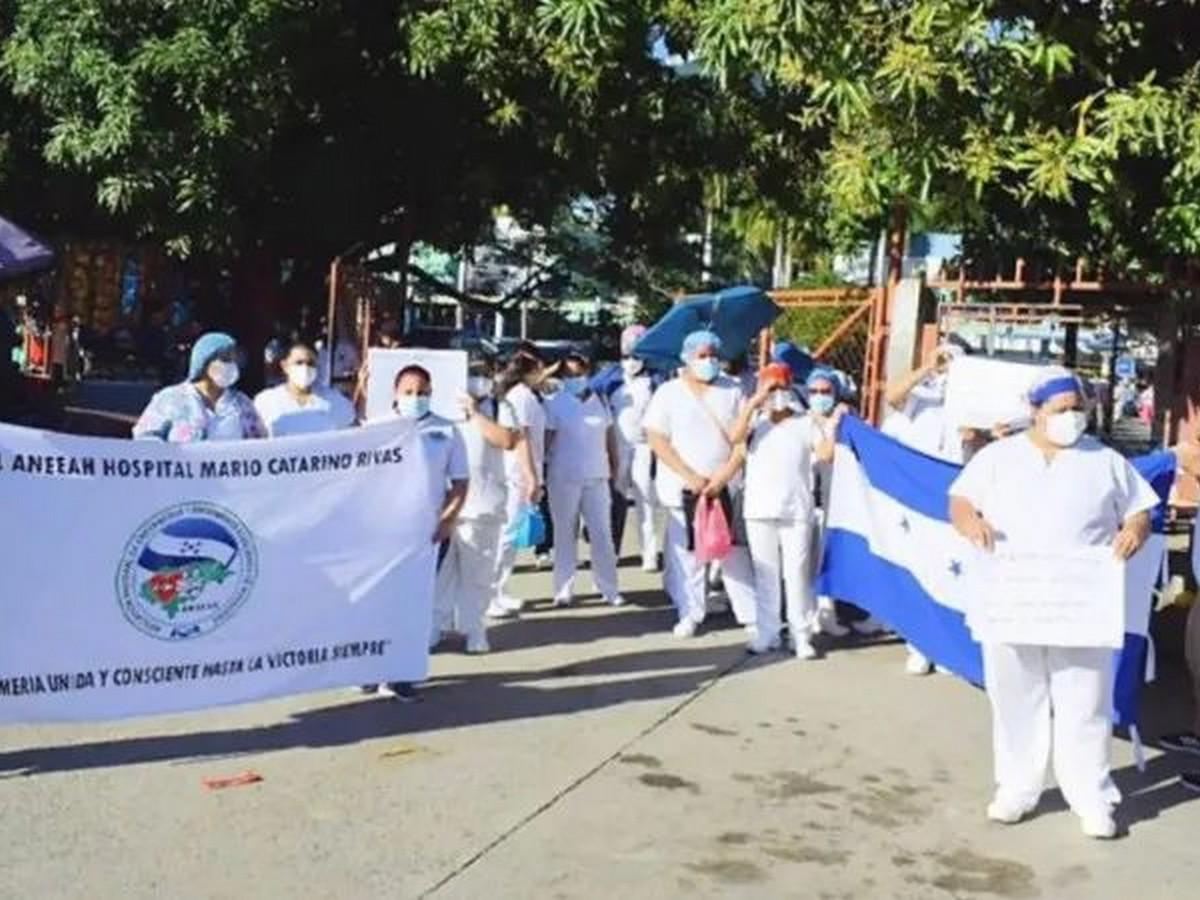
{"x":593,"y":755}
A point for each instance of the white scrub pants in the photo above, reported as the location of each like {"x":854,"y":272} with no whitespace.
{"x":638,"y":486}
{"x":506,"y":551}
{"x":684,"y":577}
{"x":779,"y":551}
{"x":467,"y":577}
{"x":1052,"y":704}
{"x":590,"y":500}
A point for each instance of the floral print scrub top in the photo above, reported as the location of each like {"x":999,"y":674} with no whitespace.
{"x":179,"y":414}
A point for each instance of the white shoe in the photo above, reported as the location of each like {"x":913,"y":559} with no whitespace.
{"x":684,"y":628}
{"x":1102,"y":826}
{"x":868,"y":626}
{"x":827,"y":623}
{"x":1007,"y":812}
{"x":649,"y":565}
{"x":616,"y":601}
{"x":478,"y":644}
{"x":512,"y":604}
{"x":803,"y":648}
{"x":542,"y":561}
{"x":503,"y":607}
{"x":917,"y":664}
{"x":563,"y":602}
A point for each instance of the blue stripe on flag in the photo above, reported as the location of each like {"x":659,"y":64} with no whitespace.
{"x":920,"y":482}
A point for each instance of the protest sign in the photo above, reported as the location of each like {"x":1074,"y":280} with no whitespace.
{"x":982,"y":392}
{"x":1063,"y":599}
{"x":144,"y":578}
{"x":447,"y":367}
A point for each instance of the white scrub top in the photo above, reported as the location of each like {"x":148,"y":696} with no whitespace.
{"x":922,"y":424}
{"x":487,"y":491}
{"x":1079,"y":498}
{"x":579,"y":451}
{"x":779,"y":473}
{"x":690,"y":424}
{"x":822,"y":472}
{"x":440,"y":442}
{"x":629,"y":403}
{"x":523,"y":411}
{"x":283,"y":414}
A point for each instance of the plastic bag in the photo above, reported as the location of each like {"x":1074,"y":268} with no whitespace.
{"x":528,"y":528}
{"x":711,"y":529}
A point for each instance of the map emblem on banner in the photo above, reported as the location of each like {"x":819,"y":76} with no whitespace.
{"x":186,"y":571}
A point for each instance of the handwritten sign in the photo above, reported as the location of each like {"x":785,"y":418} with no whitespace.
{"x":1074,"y":599}
{"x":983,"y":392}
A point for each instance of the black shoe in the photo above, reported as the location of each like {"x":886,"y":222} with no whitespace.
{"x":1184,"y":742}
{"x":1191,"y":781}
{"x":401,"y":691}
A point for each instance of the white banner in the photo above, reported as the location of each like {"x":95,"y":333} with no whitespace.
{"x":140,"y":577}
{"x":982,"y":392}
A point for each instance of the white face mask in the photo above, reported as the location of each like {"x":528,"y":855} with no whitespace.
{"x":223,"y":374}
{"x":302,"y":376}
{"x":1065,"y":428}
{"x":781,"y":400}
{"x":479,"y":386}
{"x":632,"y":367}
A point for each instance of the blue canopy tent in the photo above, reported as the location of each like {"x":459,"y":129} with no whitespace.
{"x":20,"y":252}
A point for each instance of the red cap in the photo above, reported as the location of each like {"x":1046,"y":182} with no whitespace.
{"x":776,"y":373}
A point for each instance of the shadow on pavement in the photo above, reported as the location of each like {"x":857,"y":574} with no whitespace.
{"x":452,"y":702}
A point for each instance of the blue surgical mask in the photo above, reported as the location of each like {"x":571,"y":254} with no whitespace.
{"x":821,"y":403}
{"x":576,"y":385}
{"x":412,"y":406}
{"x":705,"y":368}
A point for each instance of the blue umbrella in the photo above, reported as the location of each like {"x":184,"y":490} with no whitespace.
{"x":736,"y":314}
{"x":798,"y":359}
{"x":21,"y":252}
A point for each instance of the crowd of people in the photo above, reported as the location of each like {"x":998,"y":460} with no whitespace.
{"x":587,"y":449}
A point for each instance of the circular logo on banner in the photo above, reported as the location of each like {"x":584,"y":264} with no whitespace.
{"x":186,"y":571}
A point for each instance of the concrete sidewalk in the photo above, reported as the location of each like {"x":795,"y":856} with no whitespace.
{"x":592,"y":755}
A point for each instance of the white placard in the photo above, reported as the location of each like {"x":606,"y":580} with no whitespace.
{"x":982,"y":392}
{"x":149,"y":578}
{"x":1074,"y":599}
{"x":447,"y":367}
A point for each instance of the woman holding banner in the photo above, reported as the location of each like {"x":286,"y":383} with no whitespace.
{"x":1045,"y":491}
{"x":206,"y":407}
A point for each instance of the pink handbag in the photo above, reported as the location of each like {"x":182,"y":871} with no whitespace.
{"x":710,"y":528}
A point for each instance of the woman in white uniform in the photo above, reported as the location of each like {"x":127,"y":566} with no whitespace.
{"x":688,"y":425}
{"x":467,"y":576}
{"x":778,"y":508}
{"x":521,"y":410}
{"x":1045,"y":490}
{"x":300,"y":405}
{"x":634,"y":480}
{"x":581,"y":458}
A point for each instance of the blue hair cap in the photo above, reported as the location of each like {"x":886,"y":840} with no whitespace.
{"x":207,"y":347}
{"x":698,"y":339}
{"x":824,"y":373}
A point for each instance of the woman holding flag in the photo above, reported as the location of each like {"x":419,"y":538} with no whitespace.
{"x":1047,"y":490}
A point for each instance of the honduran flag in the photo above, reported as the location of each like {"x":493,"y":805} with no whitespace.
{"x":891,"y":550}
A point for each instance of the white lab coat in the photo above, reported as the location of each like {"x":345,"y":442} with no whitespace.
{"x":778,"y":509}
{"x":697,"y":428}
{"x":325,"y":409}
{"x":520,"y":410}
{"x":629,"y":403}
{"x":577,"y":482}
{"x":1052,"y":704}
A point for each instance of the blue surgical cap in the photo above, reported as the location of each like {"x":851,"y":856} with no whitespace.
{"x":207,"y":347}
{"x":824,"y":373}
{"x":698,"y":339}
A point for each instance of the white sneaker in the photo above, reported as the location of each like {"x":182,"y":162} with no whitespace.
{"x":1007,"y":812}
{"x":1102,"y":826}
{"x":616,"y":601}
{"x":512,"y":604}
{"x":563,"y":602}
{"x":803,"y":648}
{"x":684,"y":628}
{"x":542,"y":561}
{"x":917,"y":664}
{"x":649,"y":565}
{"x":478,"y":644}
{"x":868,"y":626}
{"x":496,"y":611}
{"x":827,"y":623}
